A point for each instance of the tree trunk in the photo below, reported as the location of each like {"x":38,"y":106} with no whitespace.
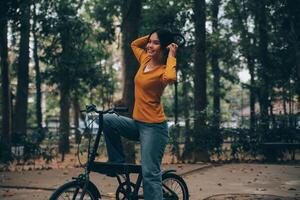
{"x":201,"y":152}
{"x":22,"y":72}
{"x":5,"y":142}
{"x":263,"y":58}
{"x":131,"y":11}
{"x":64,"y":123}
{"x":64,"y":120}
{"x":252,"y":94}
{"x":215,"y":66}
{"x":38,"y":103}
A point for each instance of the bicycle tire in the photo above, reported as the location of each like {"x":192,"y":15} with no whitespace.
{"x":168,"y":181}
{"x":71,"y":187}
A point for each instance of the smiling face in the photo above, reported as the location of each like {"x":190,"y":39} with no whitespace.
{"x":153,"y":47}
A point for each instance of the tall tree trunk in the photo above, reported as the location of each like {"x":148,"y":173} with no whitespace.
{"x":201,"y":151}
{"x":215,"y":65}
{"x":22,"y":72}
{"x":38,"y":103}
{"x":252,"y":94}
{"x":131,"y":14}
{"x":131,"y":11}
{"x":64,"y":119}
{"x":263,"y":58}
{"x":5,"y":142}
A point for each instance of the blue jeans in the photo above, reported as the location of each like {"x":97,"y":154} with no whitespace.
{"x":153,"y":138}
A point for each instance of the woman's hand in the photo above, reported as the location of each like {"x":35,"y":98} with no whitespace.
{"x":172,"y":49}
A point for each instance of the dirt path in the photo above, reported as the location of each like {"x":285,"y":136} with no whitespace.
{"x":257,"y":179}
{"x":231,"y":181}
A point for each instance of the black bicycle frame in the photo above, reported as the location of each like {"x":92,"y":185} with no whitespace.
{"x":116,"y":168}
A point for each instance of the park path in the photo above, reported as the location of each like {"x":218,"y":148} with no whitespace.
{"x":205,"y":181}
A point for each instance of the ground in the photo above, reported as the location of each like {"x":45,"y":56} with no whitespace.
{"x":205,"y":181}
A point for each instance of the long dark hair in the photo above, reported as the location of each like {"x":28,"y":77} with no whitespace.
{"x":166,"y":37}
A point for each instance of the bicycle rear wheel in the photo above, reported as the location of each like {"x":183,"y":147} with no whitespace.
{"x":174,"y":187}
{"x":73,"y":191}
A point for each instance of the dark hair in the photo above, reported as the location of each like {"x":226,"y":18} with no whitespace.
{"x":166,"y":37}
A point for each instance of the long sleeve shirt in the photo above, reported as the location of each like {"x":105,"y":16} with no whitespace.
{"x":149,"y":86}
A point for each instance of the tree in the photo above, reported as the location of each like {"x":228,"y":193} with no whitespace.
{"x":200,"y":95}
{"x":71,"y":54}
{"x":131,"y":14}
{"x":215,"y":65}
{"x":22,"y":72}
{"x":5,"y":79}
{"x":263,"y":73}
{"x":38,"y":81}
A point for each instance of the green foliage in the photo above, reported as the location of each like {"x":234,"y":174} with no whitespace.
{"x":165,"y":14}
{"x":86,"y":65}
{"x":107,"y":14}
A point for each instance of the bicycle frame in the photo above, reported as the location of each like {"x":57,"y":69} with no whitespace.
{"x":112,"y":169}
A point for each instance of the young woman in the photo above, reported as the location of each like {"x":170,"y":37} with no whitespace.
{"x":156,"y":54}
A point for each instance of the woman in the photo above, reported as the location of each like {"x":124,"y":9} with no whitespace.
{"x":156,"y":54}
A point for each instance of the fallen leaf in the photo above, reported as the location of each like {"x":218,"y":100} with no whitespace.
{"x":261,"y":189}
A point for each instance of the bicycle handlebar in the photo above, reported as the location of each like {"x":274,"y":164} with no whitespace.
{"x":92,"y":108}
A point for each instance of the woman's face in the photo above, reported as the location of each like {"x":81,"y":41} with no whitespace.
{"x":153,"y":47}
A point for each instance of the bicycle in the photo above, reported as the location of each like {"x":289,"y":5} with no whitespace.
{"x":174,"y":187}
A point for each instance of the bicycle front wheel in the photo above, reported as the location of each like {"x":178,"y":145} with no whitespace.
{"x":73,"y":191}
{"x":174,"y":187}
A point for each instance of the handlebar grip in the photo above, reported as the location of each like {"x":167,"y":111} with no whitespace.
{"x":121,"y":109}
{"x":90,"y":108}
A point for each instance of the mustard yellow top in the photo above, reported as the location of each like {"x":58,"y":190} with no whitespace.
{"x":149,"y":86}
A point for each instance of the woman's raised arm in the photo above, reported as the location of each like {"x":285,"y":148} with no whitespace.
{"x":138,"y":48}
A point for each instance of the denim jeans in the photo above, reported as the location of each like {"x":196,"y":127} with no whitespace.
{"x":153,"y":138}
